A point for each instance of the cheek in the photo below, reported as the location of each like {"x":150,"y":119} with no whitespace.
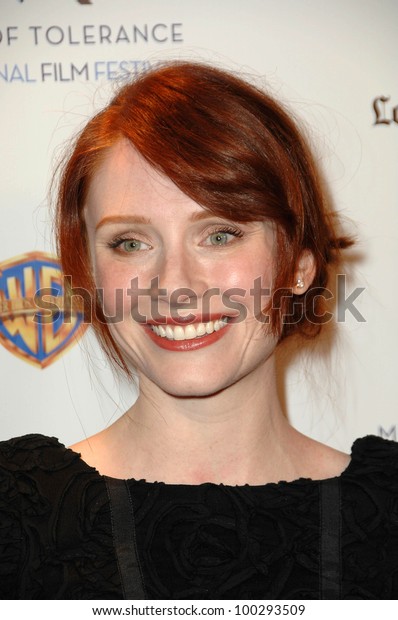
{"x":124,"y":294}
{"x":112,"y":283}
{"x":253,"y":279}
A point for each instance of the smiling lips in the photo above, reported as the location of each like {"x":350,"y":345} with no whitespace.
{"x":178,"y":332}
{"x":187,"y":337}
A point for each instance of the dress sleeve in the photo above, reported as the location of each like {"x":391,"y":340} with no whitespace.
{"x":11,"y":538}
{"x":55,"y":528}
{"x":25,"y":507}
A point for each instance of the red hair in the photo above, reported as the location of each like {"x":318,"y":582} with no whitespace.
{"x":232,"y":149}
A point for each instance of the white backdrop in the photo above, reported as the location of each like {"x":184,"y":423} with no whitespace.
{"x":333,"y":62}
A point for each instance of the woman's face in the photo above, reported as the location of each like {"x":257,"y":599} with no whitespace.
{"x":182,"y":285}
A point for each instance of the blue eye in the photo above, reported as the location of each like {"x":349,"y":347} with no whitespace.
{"x":219,"y":238}
{"x":131,"y":245}
{"x":128,"y":246}
{"x":223,"y":236}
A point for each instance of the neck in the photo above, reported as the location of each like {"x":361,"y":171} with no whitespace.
{"x":236,"y":436}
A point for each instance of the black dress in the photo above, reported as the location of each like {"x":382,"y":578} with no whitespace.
{"x":61,"y":537}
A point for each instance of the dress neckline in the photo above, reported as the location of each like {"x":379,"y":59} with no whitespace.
{"x":359,"y":446}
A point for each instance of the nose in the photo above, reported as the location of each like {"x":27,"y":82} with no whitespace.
{"x":181,"y":277}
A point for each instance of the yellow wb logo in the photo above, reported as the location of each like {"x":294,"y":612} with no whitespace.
{"x":26,"y":330}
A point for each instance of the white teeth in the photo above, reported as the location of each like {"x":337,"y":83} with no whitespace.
{"x":169,"y":332}
{"x":189,"y":332}
{"x":179,"y":333}
{"x":201,"y":329}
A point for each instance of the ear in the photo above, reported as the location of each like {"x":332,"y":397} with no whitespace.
{"x":305,"y":273}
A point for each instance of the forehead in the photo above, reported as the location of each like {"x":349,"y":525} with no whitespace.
{"x":125,"y":182}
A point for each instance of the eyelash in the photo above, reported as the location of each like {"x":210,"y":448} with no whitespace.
{"x":230,"y":230}
{"x":117,"y":241}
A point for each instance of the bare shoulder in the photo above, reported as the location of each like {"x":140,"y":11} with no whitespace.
{"x":321,"y":461}
{"x":95,"y":450}
{"x":108,"y":451}
{"x":86,"y":449}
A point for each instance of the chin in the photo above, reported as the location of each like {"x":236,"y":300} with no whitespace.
{"x":193,"y":393}
{"x":197,"y":387}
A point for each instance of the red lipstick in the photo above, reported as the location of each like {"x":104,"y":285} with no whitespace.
{"x":190,"y":319}
{"x":190,"y":344}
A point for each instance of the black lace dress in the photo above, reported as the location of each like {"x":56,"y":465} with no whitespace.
{"x":62,"y":536}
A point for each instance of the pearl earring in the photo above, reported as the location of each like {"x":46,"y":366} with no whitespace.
{"x":299,"y":283}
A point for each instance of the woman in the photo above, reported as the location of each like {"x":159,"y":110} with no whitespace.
{"x":190,"y":210}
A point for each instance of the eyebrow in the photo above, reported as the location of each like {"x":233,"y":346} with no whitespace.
{"x":139,"y":219}
{"x":201,"y":215}
{"x":122,"y":219}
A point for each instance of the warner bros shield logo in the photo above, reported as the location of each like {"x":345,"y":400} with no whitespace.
{"x":28,"y":331}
